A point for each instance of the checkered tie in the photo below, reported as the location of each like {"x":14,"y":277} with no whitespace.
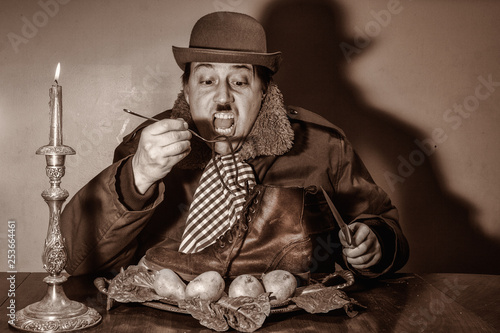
{"x":216,"y":206}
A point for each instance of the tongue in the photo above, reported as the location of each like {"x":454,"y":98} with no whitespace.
{"x":223,"y":123}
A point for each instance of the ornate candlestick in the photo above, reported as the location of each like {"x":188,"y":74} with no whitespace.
{"x":55,"y":312}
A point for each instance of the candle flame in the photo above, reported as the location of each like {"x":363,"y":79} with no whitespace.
{"x":58,"y":70}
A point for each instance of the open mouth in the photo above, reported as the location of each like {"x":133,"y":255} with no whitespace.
{"x":224,"y":123}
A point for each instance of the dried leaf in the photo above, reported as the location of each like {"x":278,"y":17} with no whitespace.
{"x":135,"y":284}
{"x":246,"y":314}
{"x":325,"y":299}
{"x":209,"y":314}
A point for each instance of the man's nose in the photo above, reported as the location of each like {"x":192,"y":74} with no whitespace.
{"x":223,"y":94}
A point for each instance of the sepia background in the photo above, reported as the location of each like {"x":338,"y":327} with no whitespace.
{"x":415,"y":85}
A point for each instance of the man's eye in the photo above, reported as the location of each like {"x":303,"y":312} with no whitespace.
{"x":207,"y":82}
{"x":240,"y":83}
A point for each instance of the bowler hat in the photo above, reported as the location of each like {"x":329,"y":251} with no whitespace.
{"x":228,"y":37}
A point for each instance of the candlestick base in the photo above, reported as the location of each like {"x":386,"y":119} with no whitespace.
{"x":55,"y":312}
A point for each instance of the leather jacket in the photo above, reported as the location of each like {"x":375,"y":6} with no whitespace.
{"x":108,"y":224}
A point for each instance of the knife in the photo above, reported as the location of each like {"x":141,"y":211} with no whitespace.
{"x":345,"y":229}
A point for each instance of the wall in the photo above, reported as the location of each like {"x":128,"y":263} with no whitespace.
{"x":406,"y":80}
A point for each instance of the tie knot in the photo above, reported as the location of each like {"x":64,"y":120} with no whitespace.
{"x":229,"y":158}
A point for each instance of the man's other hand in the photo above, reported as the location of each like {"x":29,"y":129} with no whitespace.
{"x":365,"y":250}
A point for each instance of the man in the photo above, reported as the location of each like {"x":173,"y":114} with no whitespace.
{"x":249,"y":201}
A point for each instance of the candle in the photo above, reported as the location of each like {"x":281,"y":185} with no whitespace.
{"x":55,"y":93}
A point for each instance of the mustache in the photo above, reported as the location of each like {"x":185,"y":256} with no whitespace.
{"x":223,"y":107}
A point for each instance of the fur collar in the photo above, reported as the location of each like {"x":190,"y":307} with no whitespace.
{"x":271,"y":134}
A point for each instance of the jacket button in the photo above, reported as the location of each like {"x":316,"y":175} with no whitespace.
{"x":293,"y":111}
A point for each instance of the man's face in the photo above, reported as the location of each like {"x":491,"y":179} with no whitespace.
{"x":224,"y":99}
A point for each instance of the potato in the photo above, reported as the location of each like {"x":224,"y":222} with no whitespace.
{"x":207,"y":286}
{"x":281,"y":284}
{"x":169,"y":285}
{"x":245,"y":285}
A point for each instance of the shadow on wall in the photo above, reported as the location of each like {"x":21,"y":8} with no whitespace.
{"x":439,"y":226}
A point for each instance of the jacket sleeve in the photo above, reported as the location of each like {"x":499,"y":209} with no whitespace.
{"x":361,"y":200}
{"x":101,"y":222}
{"x":99,"y":230}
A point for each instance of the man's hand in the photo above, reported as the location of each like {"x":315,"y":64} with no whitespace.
{"x":365,"y":250}
{"x":161,"y":146}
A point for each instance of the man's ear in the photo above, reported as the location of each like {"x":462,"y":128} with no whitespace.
{"x":186,"y":93}
{"x":264,"y":93}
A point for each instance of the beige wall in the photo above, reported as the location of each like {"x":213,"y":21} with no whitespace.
{"x":390,"y":73}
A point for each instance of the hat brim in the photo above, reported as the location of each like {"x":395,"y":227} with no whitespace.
{"x":184,"y":55}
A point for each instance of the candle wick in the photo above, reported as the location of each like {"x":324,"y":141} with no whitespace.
{"x":56,"y":82}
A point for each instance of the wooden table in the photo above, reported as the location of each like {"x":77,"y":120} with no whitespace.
{"x":406,"y":303}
